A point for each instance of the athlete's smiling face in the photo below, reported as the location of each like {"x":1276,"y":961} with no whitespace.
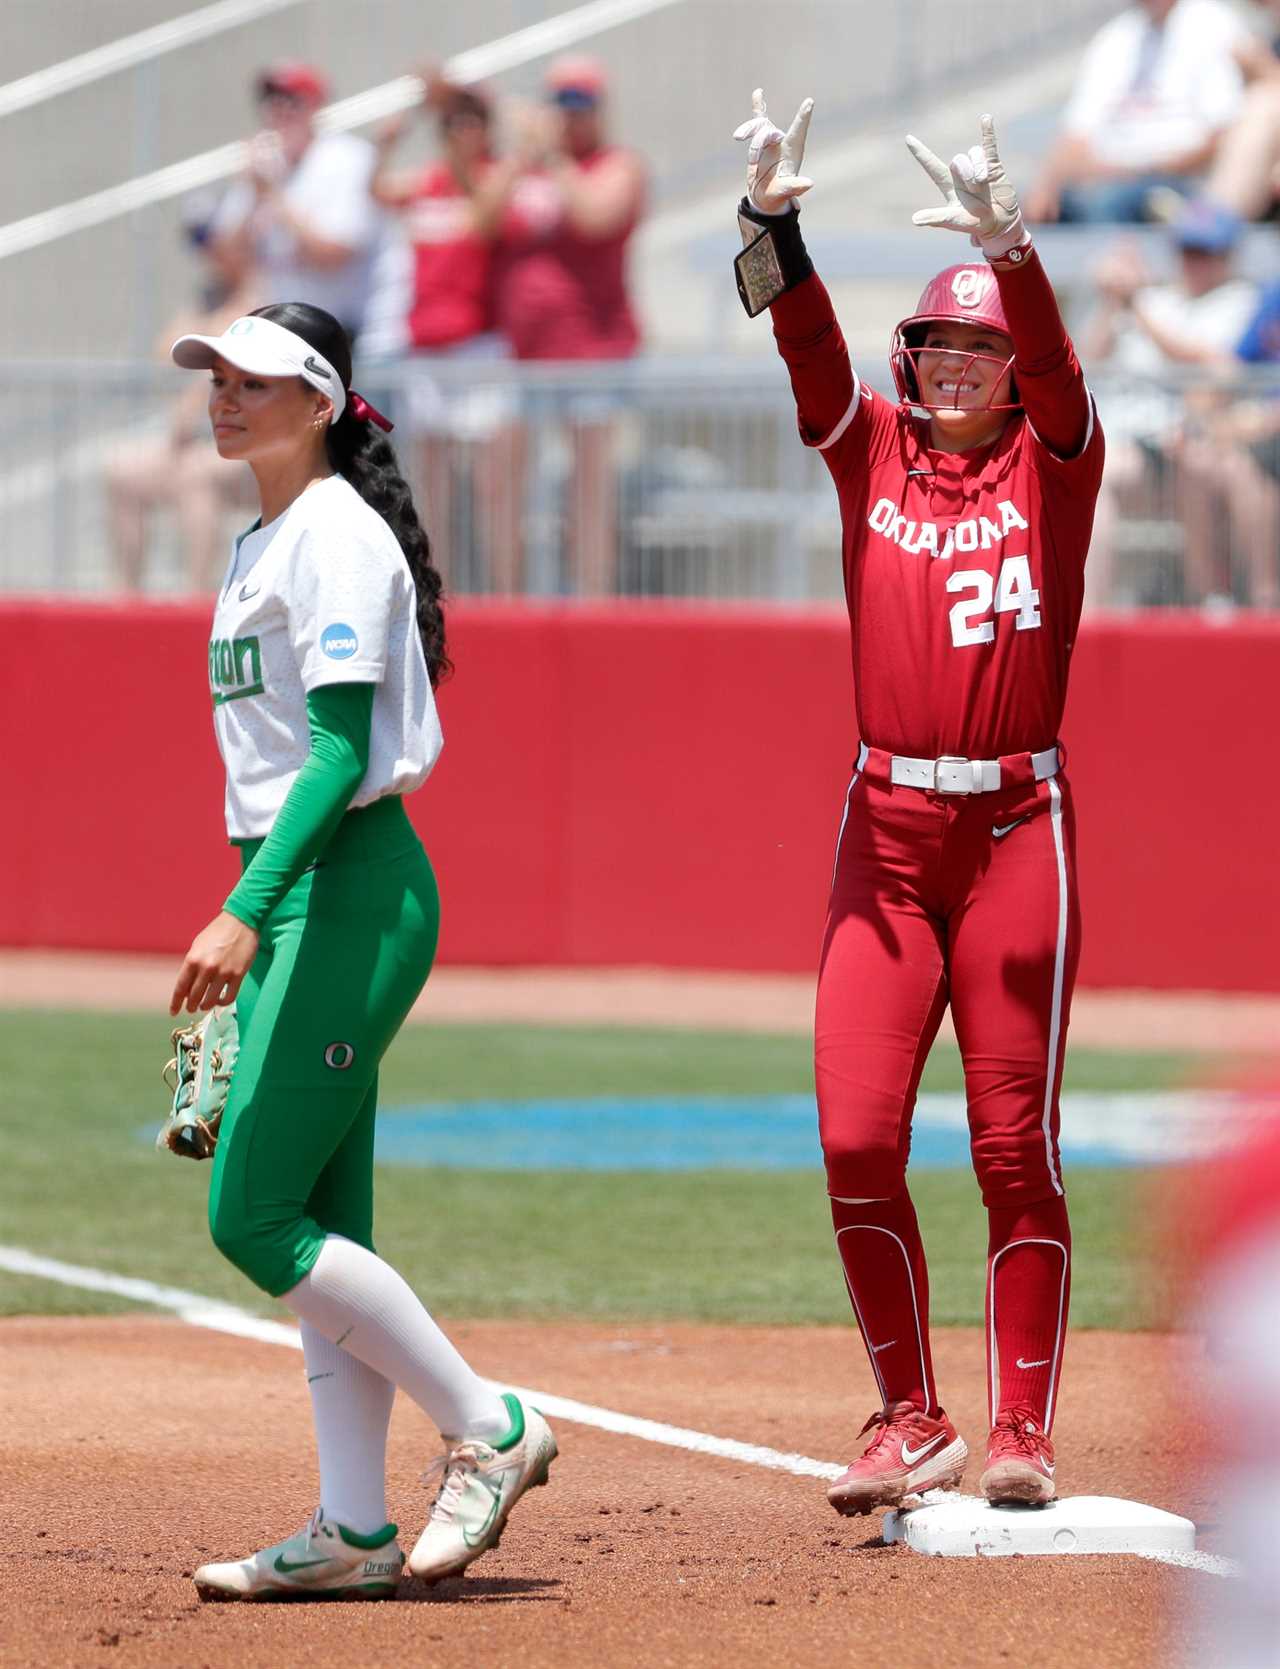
{"x":952,"y":378}
{"x":963,"y":371}
{"x":260,"y":418}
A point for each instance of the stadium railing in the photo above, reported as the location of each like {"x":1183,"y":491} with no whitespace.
{"x":665,"y":478}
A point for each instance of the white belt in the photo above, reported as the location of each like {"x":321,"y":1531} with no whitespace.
{"x":953,"y":775}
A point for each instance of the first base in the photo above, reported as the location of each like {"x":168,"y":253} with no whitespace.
{"x":966,"y":1527}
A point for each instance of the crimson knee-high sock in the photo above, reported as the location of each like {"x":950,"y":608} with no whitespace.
{"x":884,"y":1268}
{"x":1028,"y":1291}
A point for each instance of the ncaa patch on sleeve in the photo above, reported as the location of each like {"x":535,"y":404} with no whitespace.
{"x":339,"y":642}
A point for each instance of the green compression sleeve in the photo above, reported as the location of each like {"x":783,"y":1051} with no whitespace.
{"x":340,"y":717}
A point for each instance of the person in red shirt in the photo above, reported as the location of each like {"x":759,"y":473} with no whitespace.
{"x":563,"y":207}
{"x":570,"y":208}
{"x":451,"y":318}
{"x":966,"y":509}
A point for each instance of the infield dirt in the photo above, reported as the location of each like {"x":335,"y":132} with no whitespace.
{"x":133,"y":1448}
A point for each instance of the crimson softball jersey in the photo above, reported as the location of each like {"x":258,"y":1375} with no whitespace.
{"x":954,"y":883}
{"x":963,"y":571}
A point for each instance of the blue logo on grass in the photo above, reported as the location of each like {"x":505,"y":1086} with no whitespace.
{"x":339,"y":641}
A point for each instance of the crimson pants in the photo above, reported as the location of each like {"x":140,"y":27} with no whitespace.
{"x":968,"y":900}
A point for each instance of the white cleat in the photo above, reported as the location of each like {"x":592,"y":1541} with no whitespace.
{"x":480,"y":1483}
{"x":324,"y":1561}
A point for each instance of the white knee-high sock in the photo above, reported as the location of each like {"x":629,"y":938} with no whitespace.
{"x":361,"y":1303}
{"x":351,"y":1405}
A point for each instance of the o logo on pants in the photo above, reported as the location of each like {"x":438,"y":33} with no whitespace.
{"x":339,"y":1056}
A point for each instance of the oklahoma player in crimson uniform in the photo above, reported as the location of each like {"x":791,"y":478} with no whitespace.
{"x":966,"y":509}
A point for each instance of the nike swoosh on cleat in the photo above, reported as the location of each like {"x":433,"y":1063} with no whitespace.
{"x":998,"y":832}
{"x":494,"y":1488}
{"x":1025,"y":1365}
{"x":286,"y":1567}
{"x":910,"y":1456}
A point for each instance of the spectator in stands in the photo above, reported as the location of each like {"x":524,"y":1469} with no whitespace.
{"x":1150,"y":337}
{"x":175,"y":467}
{"x":564,"y":206}
{"x":450,"y":321}
{"x":301,"y":223}
{"x":1231,"y":456}
{"x":1246,"y":171}
{"x":216,"y":279}
{"x":1157,"y":89}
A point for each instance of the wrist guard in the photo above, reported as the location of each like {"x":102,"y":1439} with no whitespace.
{"x":1009,"y":255}
{"x":774,"y":258}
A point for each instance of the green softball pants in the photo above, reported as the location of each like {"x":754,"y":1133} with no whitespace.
{"x":341,"y":960}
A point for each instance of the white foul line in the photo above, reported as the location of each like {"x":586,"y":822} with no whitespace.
{"x":1213,"y":1564}
{"x":198,"y":1311}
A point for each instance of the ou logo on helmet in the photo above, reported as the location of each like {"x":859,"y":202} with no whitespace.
{"x":339,"y":1056}
{"x":967,"y":287}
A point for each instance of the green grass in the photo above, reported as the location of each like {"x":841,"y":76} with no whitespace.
{"x":77,"y":1184}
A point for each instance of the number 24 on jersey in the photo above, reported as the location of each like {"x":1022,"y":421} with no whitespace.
{"x":1009,"y":592}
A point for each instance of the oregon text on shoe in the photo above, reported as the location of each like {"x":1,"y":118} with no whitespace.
{"x":909,"y":1452}
{"x":479,"y":1485}
{"x":1020,"y":1463}
{"x":324,"y":1561}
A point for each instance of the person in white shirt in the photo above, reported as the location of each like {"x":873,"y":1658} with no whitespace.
{"x":328,"y":638}
{"x":1149,"y":336}
{"x":1246,"y":171}
{"x":301,"y":222}
{"x":1158,"y":87}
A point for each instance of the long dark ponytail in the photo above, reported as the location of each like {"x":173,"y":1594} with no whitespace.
{"x":361,"y":452}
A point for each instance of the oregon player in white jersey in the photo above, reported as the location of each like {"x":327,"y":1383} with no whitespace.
{"x":328,"y":637}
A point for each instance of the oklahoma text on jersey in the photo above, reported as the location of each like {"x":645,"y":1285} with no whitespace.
{"x":974,"y":533}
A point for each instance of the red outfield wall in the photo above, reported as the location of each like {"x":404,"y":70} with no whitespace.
{"x":642,"y":784}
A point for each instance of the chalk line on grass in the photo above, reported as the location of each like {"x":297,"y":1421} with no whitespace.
{"x":199,"y":1311}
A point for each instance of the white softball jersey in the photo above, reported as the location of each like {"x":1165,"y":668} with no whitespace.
{"x":321,"y":595}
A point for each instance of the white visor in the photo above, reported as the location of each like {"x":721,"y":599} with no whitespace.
{"x":263,"y":349}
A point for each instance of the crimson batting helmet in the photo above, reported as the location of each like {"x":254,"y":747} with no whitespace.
{"x":965,"y":294}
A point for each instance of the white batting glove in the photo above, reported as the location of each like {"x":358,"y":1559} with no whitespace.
{"x":978,"y":199}
{"x":774,"y":157}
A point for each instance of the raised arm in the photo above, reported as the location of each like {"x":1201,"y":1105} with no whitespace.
{"x":980,"y":201}
{"x":774,"y":271}
{"x":390,"y":187}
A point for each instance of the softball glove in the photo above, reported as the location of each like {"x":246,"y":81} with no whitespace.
{"x":199,"y":1076}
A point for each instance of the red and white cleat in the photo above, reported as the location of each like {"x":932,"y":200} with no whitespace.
{"x":1020,"y":1463}
{"x":909,"y":1452}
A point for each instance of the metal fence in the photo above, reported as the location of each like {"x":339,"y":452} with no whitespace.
{"x":658,"y":478}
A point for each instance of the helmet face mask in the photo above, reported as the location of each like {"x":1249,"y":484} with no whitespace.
{"x":908,"y":346}
{"x":964,"y":295}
